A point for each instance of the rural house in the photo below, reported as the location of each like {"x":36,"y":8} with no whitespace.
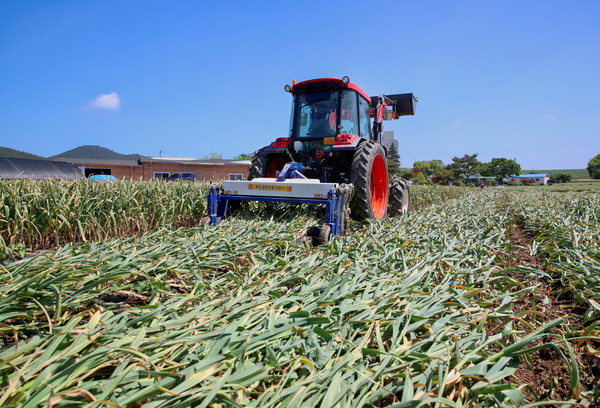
{"x":203,"y":169}
{"x":540,"y":178}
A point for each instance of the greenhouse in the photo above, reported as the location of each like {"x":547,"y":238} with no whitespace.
{"x":13,"y":168}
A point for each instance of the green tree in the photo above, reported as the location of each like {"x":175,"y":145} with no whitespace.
{"x":560,"y":178}
{"x":244,"y":156}
{"x":465,"y":167}
{"x":593,"y":167}
{"x":393,"y":161}
{"x":213,"y":155}
{"x":421,"y":179}
{"x":429,"y":167}
{"x":18,"y":154}
{"x":408,"y":175}
{"x":442,"y":176}
{"x":500,"y":168}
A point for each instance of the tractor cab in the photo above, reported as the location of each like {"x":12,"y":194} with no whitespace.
{"x":331,"y":107}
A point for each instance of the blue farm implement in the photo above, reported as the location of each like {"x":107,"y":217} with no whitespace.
{"x":291,"y":186}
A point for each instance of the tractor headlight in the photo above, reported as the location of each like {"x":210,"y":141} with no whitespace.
{"x":346,"y":80}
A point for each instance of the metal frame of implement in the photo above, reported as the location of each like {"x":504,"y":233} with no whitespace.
{"x":291,"y":186}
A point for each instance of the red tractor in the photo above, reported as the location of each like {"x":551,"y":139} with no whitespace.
{"x":332,"y":157}
{"x":335,"y":140}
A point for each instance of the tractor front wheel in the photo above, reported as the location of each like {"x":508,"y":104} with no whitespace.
{"x":370,"y":179}
{"x":264,"y":165}
{"x":399,"y":198}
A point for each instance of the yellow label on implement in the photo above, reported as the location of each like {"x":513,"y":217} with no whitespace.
{"x":269,"y":187}
{"x":329,"y":140}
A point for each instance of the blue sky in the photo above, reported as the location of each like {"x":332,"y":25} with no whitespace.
{"x":514,"y":79}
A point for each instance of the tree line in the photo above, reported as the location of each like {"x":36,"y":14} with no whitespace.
{"x":464,"y":169}
{"x":468,"y":169}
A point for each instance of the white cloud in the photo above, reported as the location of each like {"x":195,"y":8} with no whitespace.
{"x":547,"y":117}
{"x":458,"y":123}
{"x":109,"y":101}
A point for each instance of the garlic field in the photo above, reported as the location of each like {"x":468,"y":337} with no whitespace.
{"x":472,"y":299}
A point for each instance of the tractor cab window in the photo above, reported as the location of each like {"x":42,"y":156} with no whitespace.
{"x":364,"y":118}
{"x":315,"y":114}
{"x":349,"y":113}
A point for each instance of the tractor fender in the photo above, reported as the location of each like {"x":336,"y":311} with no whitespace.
{"x":275,"y":150}
{"x":349,"y":142}
{"x":358,"y":141}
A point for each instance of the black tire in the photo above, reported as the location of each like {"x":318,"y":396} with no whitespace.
{"x":370,"y":179}
{"x":264,"y":165}
{"x":399,"y":201}
{"x":233,"y":207}
{"x":257,"y":169}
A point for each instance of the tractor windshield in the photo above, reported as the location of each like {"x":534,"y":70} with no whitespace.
{"x":315,"y":114}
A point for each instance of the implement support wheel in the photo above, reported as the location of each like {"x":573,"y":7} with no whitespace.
{"x":399,"y":198}
{"x":370,"y":179}
{"x":321,"y":236}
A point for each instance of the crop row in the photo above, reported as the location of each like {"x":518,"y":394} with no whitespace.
{"x":41,"y":214}
{"x":566,"y":232}
{"x":411,"y":311}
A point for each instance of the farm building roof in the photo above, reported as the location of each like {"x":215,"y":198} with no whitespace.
{"x":536,"y":175}
{"x":12,"y":168}
{"x":479,"y":176}
{"x":100,"y":162}
{"x":151,"y":159}
{"x":192,"y":160}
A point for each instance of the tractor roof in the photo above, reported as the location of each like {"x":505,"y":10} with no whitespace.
{"x":322,"y":84}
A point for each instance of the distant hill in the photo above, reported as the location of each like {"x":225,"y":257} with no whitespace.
{"x":95,"y":152}
{"x":17,"y":154}
{"x":576,"y":174}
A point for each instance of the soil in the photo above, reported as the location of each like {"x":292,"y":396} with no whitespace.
{"x":546,"y":375}
{"x":125,"y":296}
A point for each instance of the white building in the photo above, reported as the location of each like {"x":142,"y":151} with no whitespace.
{"x":540,"y":178}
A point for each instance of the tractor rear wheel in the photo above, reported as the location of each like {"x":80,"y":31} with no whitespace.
{"x":370,"y":179}
{"x":264,"y":165}
{"x":399,"y":198}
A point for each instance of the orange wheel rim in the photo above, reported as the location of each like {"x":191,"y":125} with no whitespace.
{"x":379,"y":187}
